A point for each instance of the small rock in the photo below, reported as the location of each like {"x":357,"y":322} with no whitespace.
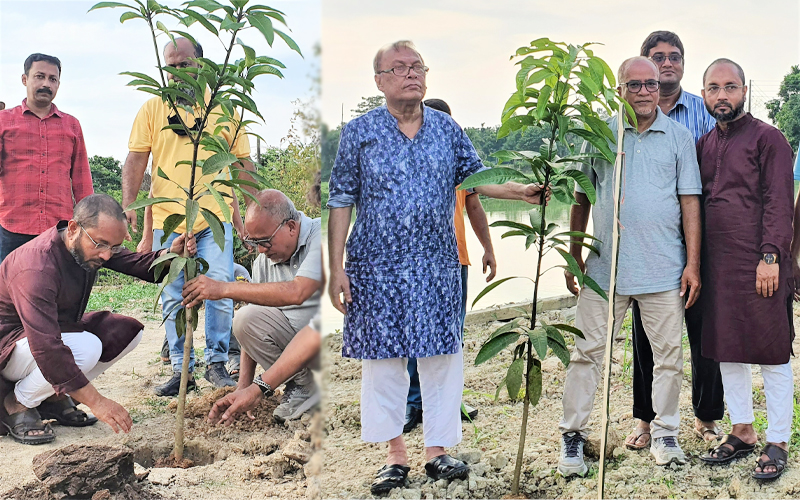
{"x":302,"y":435}
{"x":592,"y":447}
{"x":460,"y":492}
{"x":735,"y":488}
{"x":478,"y":469}
{"x":442,"y":483}
{"x":396,"y":493}
{"x":102,"y":495}
{"x":412,"y":494}
{"x":618,"y":452}
{"x":497,"y":460}
{"x":162,"y":476}
{"x":473,"y":485}
{"x":469,"y":457}
{"x":297,"y":450}
{"x":140,"y":472}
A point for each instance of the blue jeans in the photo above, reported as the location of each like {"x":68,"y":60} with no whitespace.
{"x":219,"y":313}
{"x":11,"y":241}
{"x":414,"y":392}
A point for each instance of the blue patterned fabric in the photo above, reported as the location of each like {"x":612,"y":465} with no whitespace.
{"x":402,"y":259}
{"x":690,"y":111}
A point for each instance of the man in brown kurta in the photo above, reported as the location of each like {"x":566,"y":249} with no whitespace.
{"x":48,"y":347}
{"x":746,"y":169}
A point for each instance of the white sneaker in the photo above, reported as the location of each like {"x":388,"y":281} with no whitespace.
{"x":666,"y":450}
{"x":297,"y":399}
{"x":571,"y":462}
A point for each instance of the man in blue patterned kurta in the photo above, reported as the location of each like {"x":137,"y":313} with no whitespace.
{"x":399,"y":166}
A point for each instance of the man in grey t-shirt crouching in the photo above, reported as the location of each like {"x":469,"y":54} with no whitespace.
{"x":660,"y":207}
{"x":283,"y":298}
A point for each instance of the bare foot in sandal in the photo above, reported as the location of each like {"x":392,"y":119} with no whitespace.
{"x":771,"y":467}
{"x":639,"y":438}
{"x":707,"y":431}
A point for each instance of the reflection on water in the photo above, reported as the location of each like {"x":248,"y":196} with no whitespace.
{"x":512,"y":260}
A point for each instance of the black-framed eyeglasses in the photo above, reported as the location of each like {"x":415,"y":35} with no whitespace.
{"x":174,"y":120}
{"x":403,"y":70}
{"x":266,"y":243}
{"x":659,"y":58}
{"x":635,"y":86}
{"x":729,"y":89}
{"x":101,"y":246}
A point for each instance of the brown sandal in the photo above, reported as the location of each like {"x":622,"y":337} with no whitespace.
{"x":708,"y":434}
{"x":777,"y":458}
{"x":637,"y":433}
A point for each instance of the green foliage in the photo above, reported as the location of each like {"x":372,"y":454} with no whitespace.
{"x":106,"y":174}
{"x":785,"y":110}
{"x":559,"y":87}
{"x":367,"y":104}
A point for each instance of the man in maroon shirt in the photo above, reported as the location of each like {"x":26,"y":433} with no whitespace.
{"x":49,"y":348}
{"x":43,"y":162}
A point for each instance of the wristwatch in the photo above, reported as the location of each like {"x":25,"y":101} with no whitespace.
{"x":266,"y":389}
{"x":771,"y":258}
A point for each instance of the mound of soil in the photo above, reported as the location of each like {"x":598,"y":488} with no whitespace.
{"x":197,"y":409}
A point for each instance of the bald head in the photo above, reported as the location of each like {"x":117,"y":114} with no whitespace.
{"x":274,"y":205}
{"x":628,"y":64}
{"x":184,"y":46}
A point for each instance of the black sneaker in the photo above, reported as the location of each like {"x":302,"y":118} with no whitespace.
{"x":218,"y":375}
{"x":173,"y":385}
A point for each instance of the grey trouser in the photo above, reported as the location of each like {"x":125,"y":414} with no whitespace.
{"x":264,"y":332}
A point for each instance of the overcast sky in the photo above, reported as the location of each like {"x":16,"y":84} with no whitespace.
{"x":94,"y":48}
{"x":467,"y":43}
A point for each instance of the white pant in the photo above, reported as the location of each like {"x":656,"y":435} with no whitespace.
{"x":384,"y":390}
{"x":31,"y":388}
{"x":737,"y":381}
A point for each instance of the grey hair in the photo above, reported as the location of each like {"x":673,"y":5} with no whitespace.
{"x":401,"y":44}
{"x":723,"y":60}
{"x":276,"y":205}
{"x":88,"y":210}
{"x":626,"y":64}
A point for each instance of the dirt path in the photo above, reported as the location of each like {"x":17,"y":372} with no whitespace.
{"x":249,"y":460}
{"x":490,"y":446}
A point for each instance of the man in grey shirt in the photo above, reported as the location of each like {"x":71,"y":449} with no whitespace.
{"x":283,"y":298}
{"x":660,"y":205}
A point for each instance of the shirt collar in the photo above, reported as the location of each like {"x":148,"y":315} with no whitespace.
{"x":302,"y":238}
{"x":660,"y":124}
{"x":53,"y":109}
{"x":740,"y":123}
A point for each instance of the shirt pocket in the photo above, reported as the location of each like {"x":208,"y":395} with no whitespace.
{"x":662,"y":174}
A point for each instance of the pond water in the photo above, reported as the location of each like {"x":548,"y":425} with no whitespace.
{"x":512,"y":260}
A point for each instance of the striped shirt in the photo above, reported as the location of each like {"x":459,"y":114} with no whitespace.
{"x":690,"y":111}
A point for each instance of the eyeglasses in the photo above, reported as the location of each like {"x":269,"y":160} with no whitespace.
{"x":635,"y":86}
{"x":659,"y":58}
{"x":174,"y":120}
{"x":403,"y":70}
{"x":101,"y":246}
{"x":266,"y":243}
{"x":729,"y":89}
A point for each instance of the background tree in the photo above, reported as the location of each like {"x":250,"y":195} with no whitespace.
{"x":367,"y":104}
{"x":785,"y":110}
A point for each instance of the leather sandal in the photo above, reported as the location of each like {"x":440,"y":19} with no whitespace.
{"x":21,"y":423}
{"x":708,"y":434}
{"x":446,"y":467}
{"x":729,"y":448}
{"x":65,"y":412}
{"x":388,"y":478}
{"x":637,"y":433}
{"x":777,"y":458}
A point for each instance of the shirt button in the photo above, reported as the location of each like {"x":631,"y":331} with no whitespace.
{"x":638,"y":151}
{"x":44,"y":154}
{"x":640,"y":140}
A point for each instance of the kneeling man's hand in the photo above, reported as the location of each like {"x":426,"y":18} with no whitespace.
{"x":202,"y":288}
{"x":113,"y":414}
{"x":228,"y":408}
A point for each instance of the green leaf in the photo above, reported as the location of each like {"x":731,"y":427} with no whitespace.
{"x":217,"y":162}
{"x":514,"y":378}
{"x":192,"y":208}
{"x":592,"y":284}
{"x":216,"y":227}
{"x":493,"y":286}
{"x":584,"y":182}
{"x":230,"y":24}
{"x":539,"y":340}
{"x":568,"y":328}
{"x":164,"y":283}
{"x":263,"y":69}
{"x":576,"y":234}
{"x":291,"y":43}
{"x":601,"y":143}
{"x":109,"y":5}
{"x":207,"y":5}
{"x":559,"y":349}
{"x":572,"y":264}
{"x":263,"y":24}
{"x":175,"y":268}
{"x":127,"y":16}
{"x":496,"y":175}
{"x":495,"y":345}
{"x":194,"y":313}
{"x":190,"y":268}
{"x":516,"y":225}
{"x":223,"y":205}
{"x":202,"y":20}
{"x":249,"y":53}
{"x":151,"y":201}
{"x":142,"y":76}
{"x":163,"y":258}
{"x":544,"y":98}
{"x":170,"y":224}
{"x":535,"y":382}
{"x":591,"y":248}
{"x":511,"y":325}
{"x":180,"y":322}
{"x":499,"y":388}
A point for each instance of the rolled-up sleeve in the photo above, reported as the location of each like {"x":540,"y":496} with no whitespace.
{"x":34,"y":293}
{"x":345,"y":180}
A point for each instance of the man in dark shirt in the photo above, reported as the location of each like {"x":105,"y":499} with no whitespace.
{"x":49,"y":349}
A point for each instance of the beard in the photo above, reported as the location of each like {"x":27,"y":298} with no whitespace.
{"x":186,"y":89}
{"x":724,"y":117}
{"x":80,"y":259}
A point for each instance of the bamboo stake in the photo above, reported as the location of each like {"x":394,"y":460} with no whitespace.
{"x":618,"y":166}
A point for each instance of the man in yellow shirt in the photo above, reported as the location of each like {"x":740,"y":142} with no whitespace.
{"x":168,"y":147}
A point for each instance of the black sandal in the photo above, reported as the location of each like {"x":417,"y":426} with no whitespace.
{"x":65,"y":412}
{"x":729,"y":448}
{"x":21,"y":423}
{"x":446,"y":467}
{"x":388,"y":478}
{"x":777,"y":458}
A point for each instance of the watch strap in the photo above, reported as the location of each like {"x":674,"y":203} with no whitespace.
{"x":266,"y":389}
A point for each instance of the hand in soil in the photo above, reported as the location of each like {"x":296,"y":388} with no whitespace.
{"x":113,"y":414}
{"x":228,"y":408}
